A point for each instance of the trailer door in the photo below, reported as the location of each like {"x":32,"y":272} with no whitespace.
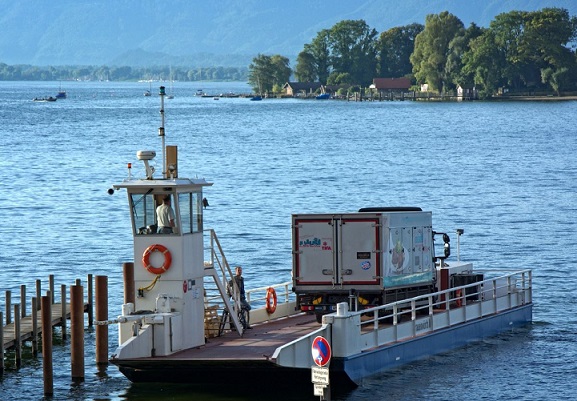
{"x":358,"y":252}
{"x":314,"y":247}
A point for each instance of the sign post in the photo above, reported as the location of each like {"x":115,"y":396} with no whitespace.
{"x":321,"y":352}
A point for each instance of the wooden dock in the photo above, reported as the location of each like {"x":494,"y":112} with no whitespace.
{"x":20,"y":325}
{"x":27,"y":325}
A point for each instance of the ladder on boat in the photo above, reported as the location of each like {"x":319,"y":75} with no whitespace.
{"x":217,"y":302}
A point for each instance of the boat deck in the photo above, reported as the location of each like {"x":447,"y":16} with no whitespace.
{"x":258,"y":343}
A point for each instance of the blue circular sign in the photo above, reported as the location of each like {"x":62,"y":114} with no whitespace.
{"x":321,"y":350}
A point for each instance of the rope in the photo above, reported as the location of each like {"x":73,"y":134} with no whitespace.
{"x":151,"y":285}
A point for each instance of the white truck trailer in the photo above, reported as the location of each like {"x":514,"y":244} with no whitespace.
{"x":368,"y":258}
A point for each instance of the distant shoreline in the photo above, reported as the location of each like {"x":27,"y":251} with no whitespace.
{"x":534,"y":98}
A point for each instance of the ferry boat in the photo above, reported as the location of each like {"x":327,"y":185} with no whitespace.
{"x":351,"y":310}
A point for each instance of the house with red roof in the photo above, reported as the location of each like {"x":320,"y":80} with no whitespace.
{"x":387,"y":85}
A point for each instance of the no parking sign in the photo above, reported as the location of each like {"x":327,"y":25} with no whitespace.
{"x":321,"y":351}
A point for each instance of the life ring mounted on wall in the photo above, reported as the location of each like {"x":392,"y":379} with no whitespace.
{"x":271,"y":300}
{"x":146,"y":259}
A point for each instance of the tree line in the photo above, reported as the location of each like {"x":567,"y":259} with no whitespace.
{"x":519,"y":51}
{"x":104,"y":73}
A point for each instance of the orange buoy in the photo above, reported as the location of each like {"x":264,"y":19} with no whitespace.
{"x":146,"y":259}
{"x":458,"y":298}
{"x":271,"y":300}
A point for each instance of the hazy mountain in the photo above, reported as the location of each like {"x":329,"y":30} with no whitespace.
{"x":206,"y":33}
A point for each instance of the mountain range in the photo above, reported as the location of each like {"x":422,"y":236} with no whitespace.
{"x":197,"y":33}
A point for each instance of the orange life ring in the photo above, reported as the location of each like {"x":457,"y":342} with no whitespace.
{"x":270,"y":300}
{"x":458,"y":298}
{"x":146,"y":259}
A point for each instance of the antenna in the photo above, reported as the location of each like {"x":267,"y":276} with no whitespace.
{"x":145,"y":156}
{"x":162,"y":93}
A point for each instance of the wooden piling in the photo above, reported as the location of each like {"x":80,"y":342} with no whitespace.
{"x":8,"y":307}
{"x":23,"y":300}
{"x":35,"y":326}
{"x":77,"y":331}
{"x":101,"y":315}
{"x":38,"y":294}
{"x":2,"y":347}
{"x":63,"y":310}
{"x":47,"y":368}
{"x":90,"y":301}
{"x":17,"y":336}
{"x":29,"y":327}
{"x":51,"y":286}
{"x":129,"y":287}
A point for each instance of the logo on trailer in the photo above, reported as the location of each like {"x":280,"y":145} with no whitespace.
{"x":321,"y":351}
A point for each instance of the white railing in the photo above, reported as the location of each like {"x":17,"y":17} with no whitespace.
{"x":412,"y":317}
{"x":286,"y":302}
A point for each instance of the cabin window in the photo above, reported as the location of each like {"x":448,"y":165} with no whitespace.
{"x":143,"y":213}
{"x":190,"y":205}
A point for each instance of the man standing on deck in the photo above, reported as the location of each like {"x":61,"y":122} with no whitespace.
{"x":239,"y":280}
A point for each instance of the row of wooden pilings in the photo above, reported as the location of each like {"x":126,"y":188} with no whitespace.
{"x":77,"y":308}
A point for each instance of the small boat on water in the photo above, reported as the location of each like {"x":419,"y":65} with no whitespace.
{"x":256,"y":98}
{"x":368,"y":293}
{"x":323,"y":96}
{"x":61,"y":93}
{"x":45,"y":99}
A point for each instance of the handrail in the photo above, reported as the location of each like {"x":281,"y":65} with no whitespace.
{"x":286,"y":293}
{"x":461,"y":304}
{"x":226,"y":276}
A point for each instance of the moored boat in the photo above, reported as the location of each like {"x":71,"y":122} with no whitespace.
{"x":176,"y":324}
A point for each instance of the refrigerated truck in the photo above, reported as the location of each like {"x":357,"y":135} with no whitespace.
{"x":366,"y":258}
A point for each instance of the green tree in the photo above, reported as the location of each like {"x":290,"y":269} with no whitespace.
{"x":320,"y":51}
{"x":556,"y":78}
{"x":550,"y":31}
{"x":260,"y":75}
{"x":485,"y":62}
{"x":353,"y":50}
{"x":508,"y":29}
{"x":338,"y":78}
{"x":457,"y":49}
{"x":267,"y":71}
{"x":281,"y":70}
{"x":432,"y":49}
{"x":394,"y":48}
{"x":306,"y":69}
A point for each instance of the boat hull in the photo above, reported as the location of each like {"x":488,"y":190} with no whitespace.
{"x":199,"y":372}
{"x":368,"y":363}
{"x":345,"y":373}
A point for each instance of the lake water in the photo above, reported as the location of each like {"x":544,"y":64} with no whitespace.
{"x":505,"y":172}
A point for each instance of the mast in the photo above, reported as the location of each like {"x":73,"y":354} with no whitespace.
{"x":162,"y":93}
